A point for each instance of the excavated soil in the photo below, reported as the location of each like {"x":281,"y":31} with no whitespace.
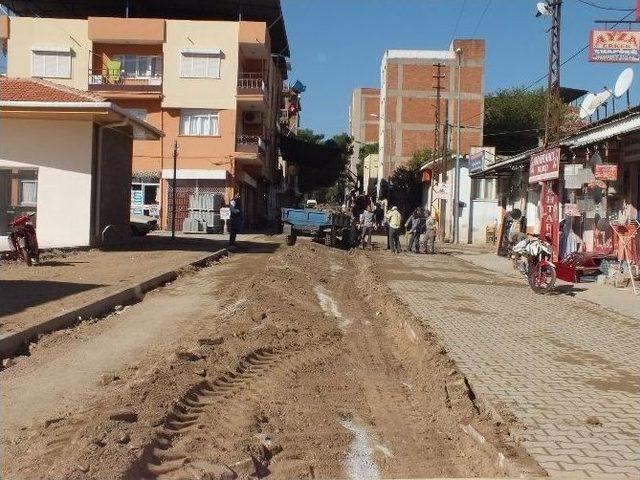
{"x":309,"y":368}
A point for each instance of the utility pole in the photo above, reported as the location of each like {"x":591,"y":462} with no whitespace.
{"x":551,"y":125}
{"x":173,"y":193}
{"x":438,"y":87}
{"x":456,"y":173}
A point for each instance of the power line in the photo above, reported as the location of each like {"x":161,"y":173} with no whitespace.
{"x":455,"y":30}
{"x":475,"y":30}
{"x":613,"y":9}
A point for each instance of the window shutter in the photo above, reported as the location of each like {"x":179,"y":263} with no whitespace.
{"x":185,"y":65}
{"x":214,"y":124}
{"x":199,"y":66}
{"x":37,"y":69}
{"x":64,"y":65}
{"x":51,"y":65}
{"x":213,"y":66}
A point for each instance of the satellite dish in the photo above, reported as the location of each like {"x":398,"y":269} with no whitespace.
{"x":585,"y":111}
{"x":543,"y":9}
{"x":624,"y":82}
{"x":599,"y":99}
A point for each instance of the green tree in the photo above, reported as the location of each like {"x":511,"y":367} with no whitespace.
{"x":419,"y":158}
{"x":514,"y":119}
{"x":308,"y":135}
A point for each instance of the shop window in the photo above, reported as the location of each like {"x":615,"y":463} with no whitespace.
{"x":483,"y":189}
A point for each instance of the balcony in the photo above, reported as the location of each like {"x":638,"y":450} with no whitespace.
{"x":253,"y":144}
{"x":251,"y":84}
{"x":123,"y":83}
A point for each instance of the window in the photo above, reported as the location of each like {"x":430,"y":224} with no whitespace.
{"x":140,"y":66}
{"x":199,"y":123}
{"x":28,"y":193}
{"x":200,"y":65}
{"x":51,"y":64}
{"x":139,"y":113}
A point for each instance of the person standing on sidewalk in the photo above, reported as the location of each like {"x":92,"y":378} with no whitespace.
{"x":367,"y":221}
{"x":235,"y":222}
{"x":394,"y":218}
{"x":431,"y":229}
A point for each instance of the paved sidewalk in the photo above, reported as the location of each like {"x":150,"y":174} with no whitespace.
{"x":568,"y":370}
{"x":621,"y":300}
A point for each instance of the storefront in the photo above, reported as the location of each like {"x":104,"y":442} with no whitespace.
{"x":581,"y":193}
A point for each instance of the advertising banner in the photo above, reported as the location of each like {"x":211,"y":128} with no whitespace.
{"x":545,"y":166}
{"x":550,"y":223}
{"x":614,"y":46}
{"x":476,"y":162}
{"x":606,"y":172}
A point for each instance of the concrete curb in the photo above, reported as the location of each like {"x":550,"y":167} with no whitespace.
{"x":11,"y":343}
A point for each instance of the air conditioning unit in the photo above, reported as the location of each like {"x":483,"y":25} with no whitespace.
{"x":252,"y":118}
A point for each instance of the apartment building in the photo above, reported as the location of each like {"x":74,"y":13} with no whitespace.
{"x":408,"y":100}
{"x":364,"y":119}
{"x":213,"y":86}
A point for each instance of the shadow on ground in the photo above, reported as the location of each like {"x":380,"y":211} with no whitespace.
{"x":17,"y":295}
{"x":161,"y":243}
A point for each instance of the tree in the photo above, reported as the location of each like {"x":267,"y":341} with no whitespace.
{"x":406,"y":182}
{"x":308,"y":135}
{"x":420,"y":158}
{"x":514,"y":119}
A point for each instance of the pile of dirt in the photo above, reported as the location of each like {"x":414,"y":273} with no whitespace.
{"x":310,"y":370}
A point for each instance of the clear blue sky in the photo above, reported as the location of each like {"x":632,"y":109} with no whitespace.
{"x":337,"y":45}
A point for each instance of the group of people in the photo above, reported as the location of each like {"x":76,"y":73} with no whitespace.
{"x":421,"y":228}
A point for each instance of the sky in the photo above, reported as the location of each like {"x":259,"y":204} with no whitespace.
{"x":337,"y":45}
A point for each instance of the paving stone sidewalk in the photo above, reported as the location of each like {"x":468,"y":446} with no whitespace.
{"x":559,"y":365}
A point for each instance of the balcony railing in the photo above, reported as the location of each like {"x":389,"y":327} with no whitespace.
{"x":102,"y":80}
{"x":251,"y":83}
{"x":250,"y":144}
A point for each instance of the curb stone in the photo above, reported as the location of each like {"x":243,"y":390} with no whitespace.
{"x":12,"y":342}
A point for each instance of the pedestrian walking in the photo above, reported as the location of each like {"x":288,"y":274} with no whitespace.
{"x":394,"y":218}
{"x":415,"y":226}
{"x":431,"y":229}
{"x":367,"y":223}
{"x":235,"y":222}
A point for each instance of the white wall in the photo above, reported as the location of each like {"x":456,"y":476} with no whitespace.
{"x":484,"y":214}
{"x":62,"y":153}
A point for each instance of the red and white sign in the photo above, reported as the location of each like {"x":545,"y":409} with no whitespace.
{"x":545,"y":166}
{"x":550,"y":223}
{"x":606,"y":172}
{"x":614,"y":46}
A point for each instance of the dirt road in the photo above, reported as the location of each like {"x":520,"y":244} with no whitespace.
{"x":297,"y":364}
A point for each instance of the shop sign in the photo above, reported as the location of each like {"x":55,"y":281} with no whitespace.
{"x":440,"y":191}
{"x":225,"y":213}
{"x":544,"y":166}
{"x":614,"y":46}
{"x":426,"y":175}
{"x":606,"y":172}
{"x":476,"y":162}
{"x":549,"y":223}
{"x":571,"y":210}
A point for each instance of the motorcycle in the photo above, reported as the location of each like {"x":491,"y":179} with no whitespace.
{"x":532,"y":258}
{"x":23,"y":239}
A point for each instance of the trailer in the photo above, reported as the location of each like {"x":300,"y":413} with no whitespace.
{"x":328,"y":227}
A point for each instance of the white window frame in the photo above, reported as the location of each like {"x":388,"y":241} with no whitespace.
{"x":43,"y":53}
{"x":212,"y":67}
{"x":192,"y":122}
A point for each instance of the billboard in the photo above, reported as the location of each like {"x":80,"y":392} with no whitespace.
{"x":544,"y":166}
{"x":476,"y":162}
{"x":614,"y":46}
